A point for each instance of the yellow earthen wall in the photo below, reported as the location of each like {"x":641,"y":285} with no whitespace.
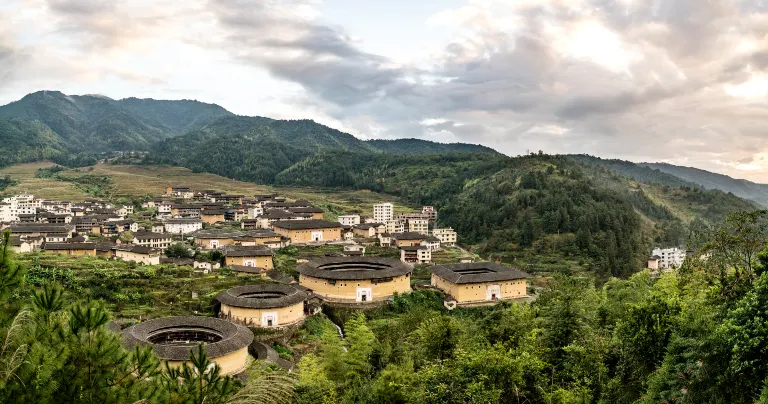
{"x":305,"y":236}
{"x":230,"y":364}
{"x":347,"y":290}
{"x":261,"y":262}
{"x":476,"y":292}
{"x":285,"y":315}
{"x":206,"y":242}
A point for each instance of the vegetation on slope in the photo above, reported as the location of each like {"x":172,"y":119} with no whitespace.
{"x":709,"y":180}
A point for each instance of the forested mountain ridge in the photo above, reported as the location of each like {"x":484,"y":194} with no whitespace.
{"x":95,"y":124}
{"x":91,"y":123}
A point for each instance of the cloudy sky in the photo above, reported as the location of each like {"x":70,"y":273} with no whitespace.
{"x":682,"y":81}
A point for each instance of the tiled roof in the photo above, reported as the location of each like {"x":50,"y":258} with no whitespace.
{"x":478,"y":272}
{"x":306,"y":224}
{"x":262,"y":296}
{"x":354,"y":268}
{"x":234,"y":336}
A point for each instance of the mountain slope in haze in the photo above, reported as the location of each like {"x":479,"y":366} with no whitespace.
{"x":709,"y":180}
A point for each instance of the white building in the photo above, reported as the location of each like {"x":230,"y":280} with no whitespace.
{"x":182,"y":226}
{"x":349,"y":220}
{"x":447,"y":236}
{"x":12,"y":207}
{"x":383,"y":212}
{"x":255,"y":211}
{"x":669,"y":257}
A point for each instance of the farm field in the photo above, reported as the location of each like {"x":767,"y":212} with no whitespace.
{"x":130,"y":182}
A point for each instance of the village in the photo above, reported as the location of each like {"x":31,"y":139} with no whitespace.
{"x":214,"y":232}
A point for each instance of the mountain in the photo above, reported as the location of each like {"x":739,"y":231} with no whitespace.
{"x":638,"y":172}
{"x":92,"y":123}
{"x":67,"y":125}
{"x":709,"y":180}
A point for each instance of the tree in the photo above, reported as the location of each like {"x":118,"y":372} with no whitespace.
{"x":126,"y":237}
{"x":198,"y":381}
{"x":733,"y":251}
{"x":10,"y":272}
{"x":178,"y":250}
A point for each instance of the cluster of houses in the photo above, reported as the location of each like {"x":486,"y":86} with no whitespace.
{"x":261,"y":224}
{"x":266,"y":222}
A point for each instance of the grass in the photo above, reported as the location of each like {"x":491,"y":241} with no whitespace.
{"x":129,"y":181}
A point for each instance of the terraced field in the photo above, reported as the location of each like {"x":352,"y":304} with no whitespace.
{"x":128,"y":182}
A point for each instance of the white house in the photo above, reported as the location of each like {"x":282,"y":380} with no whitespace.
{"x":349,"y":220}
{"x":669,"y":257}
{"x":182,"y":226}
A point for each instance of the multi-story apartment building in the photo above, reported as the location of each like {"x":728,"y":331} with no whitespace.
{"x":430,"y":212}
{"x":383,"y":212}
{"x":12,"y":207}
{"x":447,"y":236}
{"x":418,"y":225}
{"x":395,"y":226}
{"x":669,"y":257}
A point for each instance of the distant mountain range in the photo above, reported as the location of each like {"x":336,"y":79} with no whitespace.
{"x":48,"y":123}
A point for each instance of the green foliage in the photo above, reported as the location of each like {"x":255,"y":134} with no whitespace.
{"x":178,"y":250}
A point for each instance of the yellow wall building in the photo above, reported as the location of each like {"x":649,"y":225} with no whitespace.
{"x":263,"y":305}
{"x":249,"y":256}
{"x":355,"y":279}
{"x":480,"y":282}
{"x":140,"y":254}
{"x":307,"y":231}
{"x":173,"y":338}
{"x":77,"y":249}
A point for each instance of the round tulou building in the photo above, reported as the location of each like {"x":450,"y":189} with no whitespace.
{"x":355,"y":279}
{"x":265,"y":305}
{"x":173,"y":338}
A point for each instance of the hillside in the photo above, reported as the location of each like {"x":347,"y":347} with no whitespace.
{"x":56,"y":125}
{"x":97,"y":124}
{"x":531,"y":207}
{"x":637,"y":172}
{"x":709,"y":180}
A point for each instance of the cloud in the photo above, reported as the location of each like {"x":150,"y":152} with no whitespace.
{"x":675,"y":80}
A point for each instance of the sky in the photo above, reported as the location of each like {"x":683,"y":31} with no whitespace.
{"x":678,"y":81}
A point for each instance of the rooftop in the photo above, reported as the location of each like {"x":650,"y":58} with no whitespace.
{"x":306,"y":224}
{"x":263,"y":296}
{"x":69,"y":246}
{"x":217,"y":233}
{"x":172,"y":338}
{"x":354,"y":268}
{"x":478,"y":272}
{"x":247,"y":251}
